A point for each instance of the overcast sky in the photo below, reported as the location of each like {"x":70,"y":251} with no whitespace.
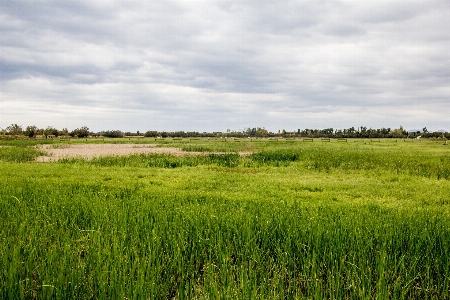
{"x":217,"y":65}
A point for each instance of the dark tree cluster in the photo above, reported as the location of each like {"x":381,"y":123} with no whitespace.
{"x":80,"y":132}
{"x":15,"y":130}
{"x":33,"y":131}
{"x":111,"y":134}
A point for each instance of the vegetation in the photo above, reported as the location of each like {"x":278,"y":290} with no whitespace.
{"x":112,"y":134}
{"x":256,"y":132}
{"x":355,"y":220}
{"x":80,"y":132}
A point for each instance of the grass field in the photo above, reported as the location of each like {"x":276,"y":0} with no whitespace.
{"x":292,"y":220}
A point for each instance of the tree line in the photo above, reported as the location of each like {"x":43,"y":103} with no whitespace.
{"x":255,"y":132}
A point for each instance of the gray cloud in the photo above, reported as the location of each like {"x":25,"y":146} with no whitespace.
{"x":202,"y":65}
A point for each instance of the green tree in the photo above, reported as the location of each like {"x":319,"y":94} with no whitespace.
{"x":31,"y":131}
{"x":151,"y":134}
{"x":63,"y":132}
{"x":80,"y":132}
{"x":399,"y":132}
{"x":262,"y":132}
{"x":51,"y":131}
{"x":14,"y":129}
{"x":112,"y":134}
{"x":328,"y":132}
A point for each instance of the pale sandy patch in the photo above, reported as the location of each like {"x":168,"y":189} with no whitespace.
{"x":89,"y":151}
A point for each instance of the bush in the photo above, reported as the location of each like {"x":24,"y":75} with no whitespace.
{"x":112,"y":134}
{"x":151,"y":134}
{"x":80,"y":132}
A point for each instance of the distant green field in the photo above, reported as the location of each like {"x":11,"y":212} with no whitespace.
{"x":356,"y":219}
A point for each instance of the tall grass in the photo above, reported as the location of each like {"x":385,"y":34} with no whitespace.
{"x":324,"y":160}
{"x":308,"y":223}
{"x":18,"y":154}
{"x":126,"y":242}
{"x":329,"y":159}
{"x":159,"y":160}
{"x":24,"y":143}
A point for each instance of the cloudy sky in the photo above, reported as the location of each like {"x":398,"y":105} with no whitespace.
{"x":208,"y":65}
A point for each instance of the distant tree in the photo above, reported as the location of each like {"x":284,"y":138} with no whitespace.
{"x":386,"y":132}
{"x":63,"y":132}
{"x":80,"y":132}
{"x":256,"y":132}
{"x":307,"y":132}
{"x":251,"y":132}
{"x":179,"y":134}
{"x":425,"y":130}
{"x":151,"y":133}
{"x":112,"y":134}
{"x":399,"y":132}
{"x":328,"y":132}
{"x":371,"y":133}
{"x":51,"y":131}
{"x":31,"y":131}
{"x":261,"y":132}
{"x":14,"y":129}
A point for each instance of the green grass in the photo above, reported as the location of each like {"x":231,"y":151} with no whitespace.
{"x":18,"y":154}
{"x":299,"y":220}
{"x":158,"y":160}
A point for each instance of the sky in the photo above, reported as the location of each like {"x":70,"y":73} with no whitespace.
{"x":194,"y":65}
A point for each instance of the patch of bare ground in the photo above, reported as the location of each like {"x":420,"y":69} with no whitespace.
{"x":89,"y":151}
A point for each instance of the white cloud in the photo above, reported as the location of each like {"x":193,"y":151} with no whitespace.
{"x":203,"y":65}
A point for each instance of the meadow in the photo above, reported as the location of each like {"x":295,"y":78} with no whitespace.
{"x":357,"y":219}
